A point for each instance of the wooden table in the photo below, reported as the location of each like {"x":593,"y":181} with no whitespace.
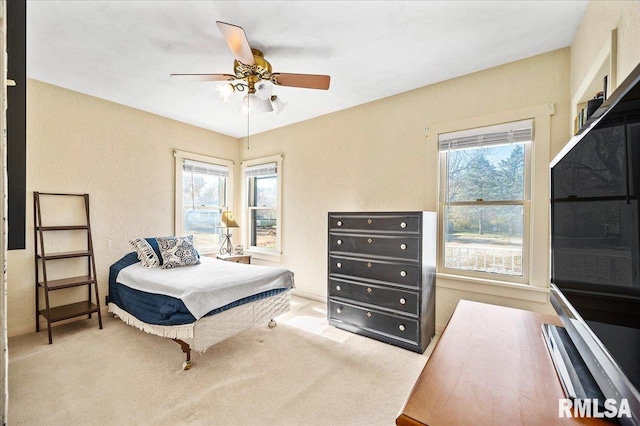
{"x":237,"y":258}
{"x":490,"y":367}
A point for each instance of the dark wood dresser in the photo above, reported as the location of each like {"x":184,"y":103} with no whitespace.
{"x":381,"y":276}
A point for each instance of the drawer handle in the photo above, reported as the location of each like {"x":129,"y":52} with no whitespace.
{"x":339,"y":310}
{"x":339,"y":265}
{"x":369,"y":290}
{"x":403,"y":273}
{"x":368,"y":314}
{"x":401,"y":327}
{"x":369,"y":221}
{"x":369,"y":240}
{"x":339,"y":242}
{"x":403,"y":246}
{"x":339,"y":223}
{"x":403,"y":225}
{"x":402,"y":300}
{"x":368,"y":264}
{"x":340,"y":288}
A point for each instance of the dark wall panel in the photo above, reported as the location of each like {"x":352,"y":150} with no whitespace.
{"x":17,"y":122}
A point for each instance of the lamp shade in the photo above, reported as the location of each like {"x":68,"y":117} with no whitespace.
{"x":227,"y":220}
{"x":253,"y":104}
{"x":277,"y":104}
{"x":225,"y":90}
{"x":264,"y":90}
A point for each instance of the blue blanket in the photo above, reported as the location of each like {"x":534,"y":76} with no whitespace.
{"x":157,"y":308}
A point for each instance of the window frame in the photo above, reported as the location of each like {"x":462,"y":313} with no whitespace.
{"x":526,"y":209}
{"x":270,"y":254}
{"x":180,"y":156}
{"x":537,"y":287}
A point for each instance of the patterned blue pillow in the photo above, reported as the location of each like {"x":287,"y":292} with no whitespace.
{"x":154,"y":245}
{"x":178,"y":251}
{"x":146,"y":254}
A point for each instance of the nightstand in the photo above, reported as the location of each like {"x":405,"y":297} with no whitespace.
{"x":238,"y":258}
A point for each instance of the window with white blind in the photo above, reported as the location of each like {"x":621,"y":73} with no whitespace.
{"x":262,"y":194}
{"x":203,"y":191}
{"x":484,"y":201}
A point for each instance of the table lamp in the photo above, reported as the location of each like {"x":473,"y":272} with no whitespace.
{"x":227,"y":221}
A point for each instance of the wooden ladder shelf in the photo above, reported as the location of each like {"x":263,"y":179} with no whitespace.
{"x":44,"y":285}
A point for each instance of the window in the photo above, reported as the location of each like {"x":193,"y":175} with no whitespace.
{"x":262,"y":194}
{"x":203,"y":191}
{"x":484,"y":200}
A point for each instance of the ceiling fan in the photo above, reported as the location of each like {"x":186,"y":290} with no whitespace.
{"x":252,"y":70}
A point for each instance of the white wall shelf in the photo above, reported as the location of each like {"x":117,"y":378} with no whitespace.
{"x":605,"y":64}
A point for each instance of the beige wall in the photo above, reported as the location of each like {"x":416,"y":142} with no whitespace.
{"x":121,"y":156}
{"x":377,"y":157}
{"x":596,"y":52}
{"x":372,"y":157}
{"x":599,"y":19}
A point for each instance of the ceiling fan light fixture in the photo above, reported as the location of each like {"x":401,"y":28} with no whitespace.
{"x":264,"y":89}
{"x":225,"y":91}
{"x":254,"y":105}
{"x":278,"y":104}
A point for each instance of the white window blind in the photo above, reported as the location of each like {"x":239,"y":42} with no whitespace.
{"x":516,"y":132}
{"x":205,"y":168}
{"x":267,"y":169}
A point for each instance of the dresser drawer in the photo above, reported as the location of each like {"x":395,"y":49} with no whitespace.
{"x":388,"y":324}
{"x":379,"y":270}
{"x":384,"y":297}
{"x":373,"y":222}
{"x":397,"y":247}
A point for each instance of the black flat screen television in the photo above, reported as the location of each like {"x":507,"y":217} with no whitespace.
{"x":595,"y":246}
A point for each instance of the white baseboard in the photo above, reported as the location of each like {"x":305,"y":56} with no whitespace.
{"x":309,"y":296}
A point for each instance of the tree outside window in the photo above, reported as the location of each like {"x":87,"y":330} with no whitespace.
{"x":483,"y":202}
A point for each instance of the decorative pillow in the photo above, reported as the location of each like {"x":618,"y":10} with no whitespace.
{"x":178,"y":251}
{"x":147,"y":255}
{"x":154,"y":245}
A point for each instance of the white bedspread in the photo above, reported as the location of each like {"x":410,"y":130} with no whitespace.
{"x":207,"y":286}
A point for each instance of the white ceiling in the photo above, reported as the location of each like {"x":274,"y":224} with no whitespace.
{"x":124,"y":51}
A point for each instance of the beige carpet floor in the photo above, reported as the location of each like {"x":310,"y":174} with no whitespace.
{"x":302,"y":372}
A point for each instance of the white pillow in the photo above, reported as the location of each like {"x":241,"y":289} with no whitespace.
{"x":178,"y":251}
{"x":147,"y":256}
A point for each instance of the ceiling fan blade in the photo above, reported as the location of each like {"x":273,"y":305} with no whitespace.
{"x":237,"y":41}
{"x":204,"y":77}
{"x":308,"y":81}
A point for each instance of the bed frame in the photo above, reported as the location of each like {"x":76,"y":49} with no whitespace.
{"x":209,"y":330}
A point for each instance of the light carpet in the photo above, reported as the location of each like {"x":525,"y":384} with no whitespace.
{"x":302,"y":372}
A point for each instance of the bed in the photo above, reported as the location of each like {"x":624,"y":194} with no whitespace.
{"x":197,"y":305}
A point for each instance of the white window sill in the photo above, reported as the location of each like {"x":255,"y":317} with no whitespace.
{"x":493,"y":287}
{"x":264,"y":255}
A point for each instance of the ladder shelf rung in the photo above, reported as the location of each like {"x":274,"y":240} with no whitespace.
{"x":64,"y":195}
{"x":72,"y":310}
{"x":63,"y":227}
{"x":65,"y":255}
{"x":68,"y":282}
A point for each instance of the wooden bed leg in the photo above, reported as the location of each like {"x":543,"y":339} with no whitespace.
{"x":187,"y":350}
